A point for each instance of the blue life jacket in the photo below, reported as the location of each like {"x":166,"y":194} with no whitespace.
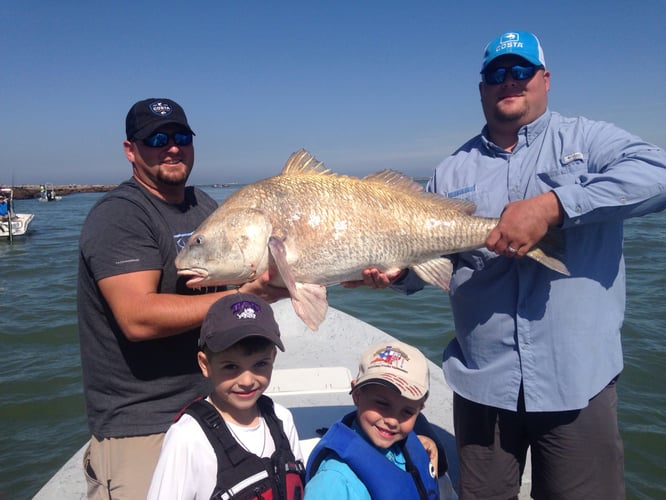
{"x":381,"y":477}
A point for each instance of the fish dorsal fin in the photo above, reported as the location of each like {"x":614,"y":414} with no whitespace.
{"x":303,"y":163}
{"x":400,"y":182}
{"x":396,"y":180}
{"x":464,"y":206}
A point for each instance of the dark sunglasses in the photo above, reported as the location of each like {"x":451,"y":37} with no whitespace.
{"x":518,"y":72}
{"x":160,"y":139}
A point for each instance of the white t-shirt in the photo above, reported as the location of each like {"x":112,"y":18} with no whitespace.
{"x":187,"y":467}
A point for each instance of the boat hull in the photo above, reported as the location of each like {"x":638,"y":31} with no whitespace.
{"x":19,"y":222}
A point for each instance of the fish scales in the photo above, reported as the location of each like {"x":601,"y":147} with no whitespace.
{"x":312,"y":228}
{"x":352,"y":225}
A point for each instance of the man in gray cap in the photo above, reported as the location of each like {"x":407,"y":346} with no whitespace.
{"x":138,"y":322}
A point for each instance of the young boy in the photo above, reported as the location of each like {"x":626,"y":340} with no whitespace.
{"x":233,"y":441}
{"x":373,"y":453}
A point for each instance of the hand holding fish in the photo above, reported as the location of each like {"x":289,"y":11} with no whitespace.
{"x":523,"y":224}
{"x":373,"y":278}
{"x":262,"y":287}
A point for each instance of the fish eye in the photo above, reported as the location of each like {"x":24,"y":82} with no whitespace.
{"x":199,"y":239}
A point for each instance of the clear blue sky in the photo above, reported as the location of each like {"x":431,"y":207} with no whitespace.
{"x":361,"y":84}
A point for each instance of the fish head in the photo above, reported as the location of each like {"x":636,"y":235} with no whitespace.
{"x":228,"y":248}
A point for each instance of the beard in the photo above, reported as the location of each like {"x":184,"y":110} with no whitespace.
{"x":171,"y":178}
{"x":510,"y":115}
{"x":172,"y":181}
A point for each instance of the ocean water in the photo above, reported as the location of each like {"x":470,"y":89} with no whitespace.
{"x":42,"y":415}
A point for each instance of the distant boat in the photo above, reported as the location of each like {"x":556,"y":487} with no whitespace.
{"x":11,"y":223}
{"x":47,"y":193}
{"x":224,"y":184}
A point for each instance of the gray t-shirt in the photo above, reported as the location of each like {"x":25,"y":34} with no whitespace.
{"x":135,"y":388}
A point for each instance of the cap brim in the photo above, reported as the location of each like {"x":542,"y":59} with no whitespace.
{"x":386,"y":383}
{"x":510,"y":54}
{"x":148,"y":130}
{"x":376,"y":381}
{"x":231,"y":337}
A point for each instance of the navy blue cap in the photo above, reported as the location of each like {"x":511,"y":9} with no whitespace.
{"x":150,"y":114}
{"x":236,"y":316}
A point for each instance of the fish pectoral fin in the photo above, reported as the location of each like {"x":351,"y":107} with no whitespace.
{"x":309,"y":300}
{"x":436,"y":272}
{"x":310,"y":304}
{"x":279,"y":254}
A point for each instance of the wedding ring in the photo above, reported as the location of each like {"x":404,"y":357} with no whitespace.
{"x":511,"y":249}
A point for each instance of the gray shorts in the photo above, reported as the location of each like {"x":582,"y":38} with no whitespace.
{"x":575,"y":454}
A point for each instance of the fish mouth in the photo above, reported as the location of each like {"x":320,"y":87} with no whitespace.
{"x":197,"y":276}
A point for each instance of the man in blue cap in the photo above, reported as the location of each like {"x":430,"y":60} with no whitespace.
{"x":537,"y":354}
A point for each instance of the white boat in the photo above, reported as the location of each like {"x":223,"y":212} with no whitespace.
{"x":312,"y":378}
{"x":47,"y":193}
{"x":13,"y":224}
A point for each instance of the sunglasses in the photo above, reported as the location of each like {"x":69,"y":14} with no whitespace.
{"x":160,"y":139}
{"x":518,"y":72}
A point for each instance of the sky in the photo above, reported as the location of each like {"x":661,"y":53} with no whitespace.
{"x":362,"y":84}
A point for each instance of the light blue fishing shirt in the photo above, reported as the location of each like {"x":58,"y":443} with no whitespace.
{"x":516,"y":320}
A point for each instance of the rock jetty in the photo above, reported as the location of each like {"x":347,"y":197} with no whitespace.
{"x":27,"y":191}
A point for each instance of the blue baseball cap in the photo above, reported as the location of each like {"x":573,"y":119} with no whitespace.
{"x":518,"y":43}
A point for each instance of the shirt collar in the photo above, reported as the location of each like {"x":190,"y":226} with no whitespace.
{"x":526,"y":135}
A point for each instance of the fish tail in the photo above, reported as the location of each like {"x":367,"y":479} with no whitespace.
{"x":549,"y":261}
{"x":550,"y":251}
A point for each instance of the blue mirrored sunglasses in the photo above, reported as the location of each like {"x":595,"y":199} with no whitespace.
{"x":519,"y":72}
{"x":160,"y":139}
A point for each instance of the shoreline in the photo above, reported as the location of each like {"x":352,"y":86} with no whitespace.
{"x":28,"y":191}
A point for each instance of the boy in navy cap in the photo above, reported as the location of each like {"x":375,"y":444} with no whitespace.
{"x":236,"y":438}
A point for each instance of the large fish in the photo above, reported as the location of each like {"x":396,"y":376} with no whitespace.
{"x":316,"y":229}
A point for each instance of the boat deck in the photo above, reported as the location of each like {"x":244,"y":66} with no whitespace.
{"x":312,"y":378}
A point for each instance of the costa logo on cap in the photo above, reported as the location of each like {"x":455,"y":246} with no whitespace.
{"x":161,"y":108}
{"x":509,"y":38}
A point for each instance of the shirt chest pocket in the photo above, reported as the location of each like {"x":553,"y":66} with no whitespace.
{"x":570,"y":169}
